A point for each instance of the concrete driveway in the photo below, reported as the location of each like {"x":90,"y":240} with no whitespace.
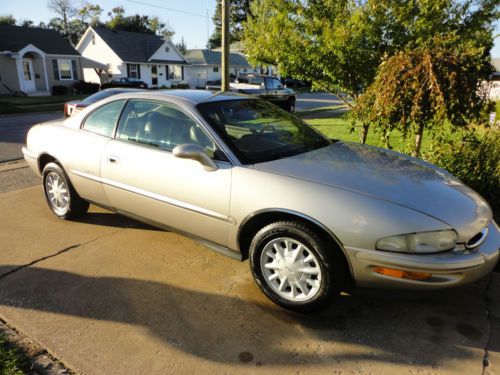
{"x":13,"y":130}
{"x":108,"y":295}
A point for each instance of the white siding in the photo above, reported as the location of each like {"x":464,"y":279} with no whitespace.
{"x":162,"y":54}
{"x":93,"y":47}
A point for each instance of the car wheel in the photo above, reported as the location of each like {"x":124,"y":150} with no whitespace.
{"x":290,"y":105}
{"x":62,"y":198}
{"x":294,"y":267}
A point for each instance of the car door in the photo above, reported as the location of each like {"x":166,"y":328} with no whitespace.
{"x":84,"y":148}
{"x":281,"y":94}
{"x":143,"y":178}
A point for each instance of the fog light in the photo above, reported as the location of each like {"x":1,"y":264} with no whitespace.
{"x":403,"y":274}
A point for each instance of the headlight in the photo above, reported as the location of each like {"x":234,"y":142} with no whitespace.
{"x":424,"y":242}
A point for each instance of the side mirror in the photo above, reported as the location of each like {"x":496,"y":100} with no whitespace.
{"x":195,"y":152}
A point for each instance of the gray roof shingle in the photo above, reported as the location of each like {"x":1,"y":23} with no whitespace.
{"x":210,"y":57}
{"x":131,"y":46}
{"x":15,"y":38}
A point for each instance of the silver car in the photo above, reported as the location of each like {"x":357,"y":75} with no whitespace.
{"x":249,"y":180}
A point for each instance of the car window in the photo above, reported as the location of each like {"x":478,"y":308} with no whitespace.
{"x":161,"y":125}
{"x":256,"y":81}
{"x":103,"y":120}
{"x":270,"y":83}
{"x":277,"y":83}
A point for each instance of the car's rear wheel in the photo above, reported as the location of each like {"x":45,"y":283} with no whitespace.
{"x":295,"y":267}
{"x":62,"y":198}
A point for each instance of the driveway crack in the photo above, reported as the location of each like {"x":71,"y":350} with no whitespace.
{"x":486,"y":299}
{"x":59,"y":252}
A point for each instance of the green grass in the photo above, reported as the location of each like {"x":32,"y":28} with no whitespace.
{"x":24,"y":104}
{"x":12,"y":362}
{"x":337,"y":126}
{"x":497,"y":110}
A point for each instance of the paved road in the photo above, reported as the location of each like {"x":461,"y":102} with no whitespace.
{"x":109,"y":295}
{"x":13,"y":130}
{"x":313,"y":100}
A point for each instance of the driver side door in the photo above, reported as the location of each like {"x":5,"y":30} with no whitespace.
{"x":143,"y":178}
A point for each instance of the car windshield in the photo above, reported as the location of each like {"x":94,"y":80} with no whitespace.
{"x":257,"y":131}
{"x":100,"y":95}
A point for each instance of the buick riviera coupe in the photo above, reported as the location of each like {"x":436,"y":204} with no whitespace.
{"x":249,"y":180}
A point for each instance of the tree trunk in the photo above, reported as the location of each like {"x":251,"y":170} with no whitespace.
{"x":418,"y":140}
{"x":364,"y":133}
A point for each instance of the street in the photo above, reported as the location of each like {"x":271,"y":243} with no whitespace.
{"x":109,"y":295}
{"x":13,"y":130}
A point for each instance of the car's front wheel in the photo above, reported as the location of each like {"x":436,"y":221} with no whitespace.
{"x":295,"y":267}
{"x":290,"y":105}
{"x":62,"y":198}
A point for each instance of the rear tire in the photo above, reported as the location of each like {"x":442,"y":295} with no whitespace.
{"x":295,"y":267}
{"x":61,"y":197}
{"x":290,"y":105}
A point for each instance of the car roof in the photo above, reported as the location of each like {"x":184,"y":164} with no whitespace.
{"x":191,"y":97}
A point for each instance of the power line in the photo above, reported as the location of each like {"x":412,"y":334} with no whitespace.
{"x":170,"y":9}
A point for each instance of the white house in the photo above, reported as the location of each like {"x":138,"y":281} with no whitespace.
{"x":148,"y":57}
{"x":205,"y":65}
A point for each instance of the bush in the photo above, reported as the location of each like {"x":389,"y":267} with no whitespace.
{"x":59,"y":90}
{"x":82,"y":87}
{"x":475,"y":159}
{"x":180,"y":85}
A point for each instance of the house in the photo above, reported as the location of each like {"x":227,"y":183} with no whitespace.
{"x":494,"y":84}
{"x":33,"y":60}
{"x":148,"y":57}
{"x":205,"y":65}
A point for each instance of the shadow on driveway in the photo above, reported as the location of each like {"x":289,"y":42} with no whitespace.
{"x":382,"y":326}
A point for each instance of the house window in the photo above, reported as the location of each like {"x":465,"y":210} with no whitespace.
{"x":133,"y":71}
{"x":216,"y":69}
{"x":65,"y":69}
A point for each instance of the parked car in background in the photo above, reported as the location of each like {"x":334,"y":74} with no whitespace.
{"x":252,"y":181}
{"x":264,"y":87}
{"x":125,"y":82}
{"x":74,"y":106}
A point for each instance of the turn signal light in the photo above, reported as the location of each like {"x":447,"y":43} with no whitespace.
{"x":403,"y":274}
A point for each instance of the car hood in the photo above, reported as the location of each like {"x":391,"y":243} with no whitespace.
{"x":393,"y":177}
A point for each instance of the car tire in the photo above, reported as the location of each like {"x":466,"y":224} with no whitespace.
{"x":295,"y":267}
{"x":290,"y":105}
{"x":61,"y":197}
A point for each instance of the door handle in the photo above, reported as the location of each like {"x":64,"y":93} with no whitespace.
{"x":112,"y":159}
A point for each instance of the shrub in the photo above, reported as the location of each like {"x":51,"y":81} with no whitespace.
{"x":82,"y":87}
{"x":59,"y":90}
{"x":180,"y":85}
{"x":474,"y":158}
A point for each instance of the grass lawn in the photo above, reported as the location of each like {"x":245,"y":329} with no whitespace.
{"x":337,"y":126}
{"x":23,"y":104}
{"x":11,"y":361}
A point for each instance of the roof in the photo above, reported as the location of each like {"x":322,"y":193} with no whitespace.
{"x":15,"y":38}
{"x":192,"y":97}
{"x":496,"y":64}
{"x":210,"y":57}
{"x":131,"y":46}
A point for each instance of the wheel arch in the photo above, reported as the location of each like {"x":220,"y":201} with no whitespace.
{"x":46,"y":158}
{"x":257,"y":220}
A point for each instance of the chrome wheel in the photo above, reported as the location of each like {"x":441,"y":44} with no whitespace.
{"x":57,"y":193}
{"x":291,"y":269}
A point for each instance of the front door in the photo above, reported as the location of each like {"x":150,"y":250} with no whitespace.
{"x":28,"y":76}
{"x":154,"y":75}
{"x":142,"y":177}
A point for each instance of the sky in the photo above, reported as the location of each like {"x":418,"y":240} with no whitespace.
{"x":188,"y":18}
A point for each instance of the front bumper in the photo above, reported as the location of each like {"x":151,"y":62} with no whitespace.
{"x":446,"y":269}
{"x":31,"y":160}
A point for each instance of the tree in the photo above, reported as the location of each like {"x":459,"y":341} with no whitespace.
{"x":435,"y":79}
{"x":7,"y":19}
{"x":181,"y":46}
{"x":240,"y":9}
{"x":90,"y":13}
{"x":27,"y":23}
{"x":339,"y":45}
{"x":65,"y":10}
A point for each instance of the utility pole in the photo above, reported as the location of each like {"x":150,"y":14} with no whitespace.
{"x":225,"y":45}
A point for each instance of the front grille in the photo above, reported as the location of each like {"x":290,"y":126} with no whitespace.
{"x":478,"y":239}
